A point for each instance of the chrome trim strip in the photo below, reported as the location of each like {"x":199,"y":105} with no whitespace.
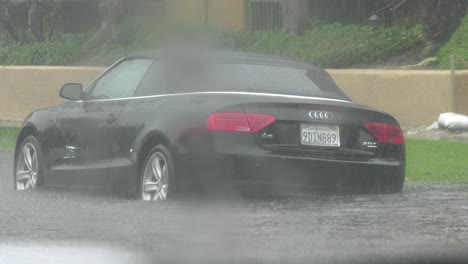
{"x":234,"y":93}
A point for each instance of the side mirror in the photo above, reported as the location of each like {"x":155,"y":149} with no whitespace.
{"x":71,"y":91}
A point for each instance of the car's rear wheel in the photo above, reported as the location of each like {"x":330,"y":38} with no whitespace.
{"x":29,"y":166}
{"x":157,"y":175}
{"x":393,"y":184}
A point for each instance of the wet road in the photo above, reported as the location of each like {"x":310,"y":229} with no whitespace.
{"x":427,"y":221}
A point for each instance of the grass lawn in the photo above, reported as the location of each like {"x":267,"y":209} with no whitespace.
{"x":8,"y":137}
{"x":427,"y":160}
{"x":436,"y":161}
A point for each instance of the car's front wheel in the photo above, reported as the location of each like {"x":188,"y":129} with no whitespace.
{"x":29,"y":168}
{"x":157,"y":175}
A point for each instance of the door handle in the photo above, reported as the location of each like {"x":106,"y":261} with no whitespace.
{"x":111,"y":119}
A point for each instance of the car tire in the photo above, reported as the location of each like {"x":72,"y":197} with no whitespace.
{"x":157,"y":176}
{"x":367,"y":185}
{"x":393,"y":184}
{"x":28,"y":171}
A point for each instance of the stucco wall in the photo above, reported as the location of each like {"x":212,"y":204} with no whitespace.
{"x":413,"y":97}
{"x":24,"y":89}
{"x":220,"y":14}
{"x":186,"y":11}
{"x":226,"y":14}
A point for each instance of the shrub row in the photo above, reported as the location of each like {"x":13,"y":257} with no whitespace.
{"x":331,"y":45}
{"x":457,"y":44}
{"x":61,"y":50}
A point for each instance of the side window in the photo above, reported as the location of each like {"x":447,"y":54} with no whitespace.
{"x":121,"y":81}
{"x":154,"y":82}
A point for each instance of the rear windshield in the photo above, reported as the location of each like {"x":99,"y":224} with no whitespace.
{"x":252,"y":78}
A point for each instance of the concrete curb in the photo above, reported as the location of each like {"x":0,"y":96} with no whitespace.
{"x":10,"y":123}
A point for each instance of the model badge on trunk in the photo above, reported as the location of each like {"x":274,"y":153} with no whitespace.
{"x":267,"y":136}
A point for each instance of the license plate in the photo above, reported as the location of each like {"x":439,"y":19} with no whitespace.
{"x":320,"y":135}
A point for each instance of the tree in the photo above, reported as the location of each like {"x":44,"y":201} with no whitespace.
{"x":295,"y":15}
{"x":440,"y":17}
{"x":8,"y":21}
{"x":16,"y":24}
{"x":112,"y":11}
{"x":35,"y":20}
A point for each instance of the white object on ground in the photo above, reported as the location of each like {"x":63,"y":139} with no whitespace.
{"x":434,"y":126}
{"x":453,"y":121}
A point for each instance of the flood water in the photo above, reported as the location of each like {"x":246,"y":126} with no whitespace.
{"x":426,"y":221}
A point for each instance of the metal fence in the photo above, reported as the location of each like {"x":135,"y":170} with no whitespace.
{"x":264,"y":15}
{"x":267,"y":14}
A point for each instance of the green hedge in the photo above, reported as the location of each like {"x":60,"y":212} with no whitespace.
{"x":458,"y":44}
{"x":332,"y":45}
{"x":61,"y":50}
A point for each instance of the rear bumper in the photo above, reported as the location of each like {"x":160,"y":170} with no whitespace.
{"x":291,"y":174}
{"x":302,"y":170}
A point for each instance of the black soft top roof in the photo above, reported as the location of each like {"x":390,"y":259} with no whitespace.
{"x":228,"y":57}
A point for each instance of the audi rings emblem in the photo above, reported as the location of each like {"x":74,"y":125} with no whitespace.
{"x":321,"y":115}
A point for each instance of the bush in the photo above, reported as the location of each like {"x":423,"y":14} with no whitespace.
{"x":142,"y":33}
{"x":61,"y":50}
{"x":458,"y":44}
{"x":332,"y":45}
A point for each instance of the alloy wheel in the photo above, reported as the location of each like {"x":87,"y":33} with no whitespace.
{"x":155,"y":180}
{"x":27,"y":168}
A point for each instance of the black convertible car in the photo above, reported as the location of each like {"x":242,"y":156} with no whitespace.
{"x":162,"y":122}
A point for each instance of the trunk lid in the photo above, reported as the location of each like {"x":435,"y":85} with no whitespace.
{"x":326,"y":130}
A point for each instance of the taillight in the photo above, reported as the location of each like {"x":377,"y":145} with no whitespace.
{"x":386,"y":133}
{"x":239,"y":122}
{"x":259,"y":121}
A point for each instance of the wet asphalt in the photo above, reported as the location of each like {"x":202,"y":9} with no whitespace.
{"x":427,"y":223}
